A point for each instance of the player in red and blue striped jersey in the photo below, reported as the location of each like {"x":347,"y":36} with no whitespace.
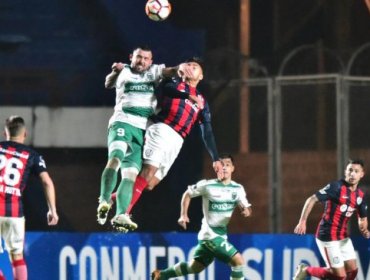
{"x":182,"y":106}
{"x":342,"y":198}
{"x":17,"y":161}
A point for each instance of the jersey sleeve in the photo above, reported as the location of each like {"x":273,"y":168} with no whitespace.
{"x":157,"y":71}
{"x":362,"y":207}
{"x":205,"y":115}
{"x":242,"y":198}
{"x":39,"y":164}
{"x":197,"y":189}
{"x":327,"y":192}
{"x":121,"y":77}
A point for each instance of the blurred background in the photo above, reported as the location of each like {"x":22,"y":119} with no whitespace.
{"x":288,"y":83}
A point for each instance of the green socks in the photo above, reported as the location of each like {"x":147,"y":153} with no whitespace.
{"x":108,"y":183}
{"x":124,"y":195}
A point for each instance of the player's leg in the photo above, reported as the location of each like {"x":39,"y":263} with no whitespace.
{"x":224,"y":251}
{"x":13,"y":235}
{"x":331,"y":253}
{"x":153,"y":153}
{"x":237,"y":266}
{"x":141,"y":182}
{"x":202,"y":258}
{"x":118,"y":139}
{"x":19,"y":266}
{"x":349,"y":257}
{"x":122,"y":221}
{"x":130,"y":168}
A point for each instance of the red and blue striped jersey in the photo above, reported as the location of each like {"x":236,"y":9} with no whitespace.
{"x":17,"y":161}
{"x":340,"y":203}
{"x":178,"y":111}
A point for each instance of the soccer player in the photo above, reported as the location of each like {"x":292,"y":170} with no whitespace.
{"x":135,"y":102}
{"x":182,"y":106}
{"x":342,"y":198}
{"x":17,"y":161}
{"x":212,"y":238}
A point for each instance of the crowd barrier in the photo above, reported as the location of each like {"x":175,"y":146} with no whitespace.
{"x":114,"y":256}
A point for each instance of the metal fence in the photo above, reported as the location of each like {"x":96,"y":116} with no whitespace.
{"x":306,"y":126}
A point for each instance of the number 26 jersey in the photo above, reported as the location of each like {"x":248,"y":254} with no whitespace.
{"x":17,"y":161}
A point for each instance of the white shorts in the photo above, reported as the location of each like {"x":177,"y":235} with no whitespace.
{"x":335,"y":253}
{"x":12,"y":231}
{"x":161,"y":148}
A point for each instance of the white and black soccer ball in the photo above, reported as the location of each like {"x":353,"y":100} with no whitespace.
{"x":158,"y":10}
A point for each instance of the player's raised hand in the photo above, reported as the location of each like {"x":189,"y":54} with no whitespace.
{"x":218,"y":168}
{"x":365,"y":234}
{"x":52,"y":218}
{"x":117,"y":67}
{"x":198,"y":100}
{"x":185,"y":71}
{"x":182,"y":221}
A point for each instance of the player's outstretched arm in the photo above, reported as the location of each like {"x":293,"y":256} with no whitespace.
{"x":363,"y":226}
{"x":185,"y":202}
{"x":307,"y":208}
{"x":110,"y":79}
{"x":49,"y":191}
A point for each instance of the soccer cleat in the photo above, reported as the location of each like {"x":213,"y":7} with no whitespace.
{"x":156,"y":275}
{"x":103,"y":210}
{"x":123,"y":223}
{"x":300,"y":273}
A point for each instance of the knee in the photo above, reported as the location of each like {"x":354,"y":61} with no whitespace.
{"x":196,"y":267}
{"x":148,"y":172}
{"x":16,"y":256}
{"x":351,"y":275}
{"x":237,"y":260}
{"x":113,"y":163}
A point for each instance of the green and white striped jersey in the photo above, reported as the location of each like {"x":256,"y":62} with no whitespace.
{"x":135,"y":99}
{"x":218,"y":203}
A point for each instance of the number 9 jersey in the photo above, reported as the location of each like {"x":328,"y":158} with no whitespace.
{"x":17,"y":161}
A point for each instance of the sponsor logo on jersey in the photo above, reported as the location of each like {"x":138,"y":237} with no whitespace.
{"x":221,"y":206}
{"x":348,"y":209}
{"x":139,"y":87}
{"x":194,"y":106}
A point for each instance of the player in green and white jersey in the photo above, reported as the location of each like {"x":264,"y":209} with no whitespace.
{"x":219,"y":199}
{"x":135,"y":103}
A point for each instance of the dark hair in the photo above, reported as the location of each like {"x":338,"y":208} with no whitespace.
{"x":197,"y":60}
{"x":14,"y":124}
{"x":225,"y":156}
{"x":142,"y":47}
{"x":356,"y":161}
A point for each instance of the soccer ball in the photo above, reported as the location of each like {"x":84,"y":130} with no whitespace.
{"x":158,"y":10}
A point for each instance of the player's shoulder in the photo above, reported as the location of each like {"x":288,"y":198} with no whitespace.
{"x":156,"y":67}
{"x":205,"y":182}
{"x":236,"y":184}
{"x":17,"y":148}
